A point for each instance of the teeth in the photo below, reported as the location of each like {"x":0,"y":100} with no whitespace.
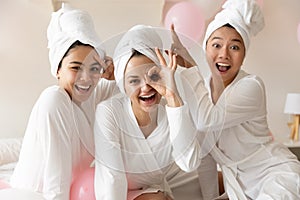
{"x":83,"y":87}
{"x":148,"y":96}
{"x":223,"y":64}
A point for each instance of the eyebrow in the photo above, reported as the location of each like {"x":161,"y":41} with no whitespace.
{"x":80,"y":63}
{"x":76,"y":62}
{"x":219,"y":38}
{"x":96,"y":63}
{"x":132,"y":76}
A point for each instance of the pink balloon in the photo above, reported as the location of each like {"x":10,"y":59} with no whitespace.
{"x":83,"y":186}
{"x":4,"y":185}
{"x":187,"y":18}
{"x":298,"y":33}
{"x":260,"y":3}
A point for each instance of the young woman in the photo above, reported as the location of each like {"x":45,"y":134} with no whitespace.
{"x":134,"y":157}
{"x":231,"y":111}
{"x":58,"y":143}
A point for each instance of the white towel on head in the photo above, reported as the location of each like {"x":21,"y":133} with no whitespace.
{"x":142,"y":38}
{"x":244,"y":15}
{"x":68,"y":25}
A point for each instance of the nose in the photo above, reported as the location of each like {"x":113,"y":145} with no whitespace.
{"x":224,"y":52}
{"x":84,"y":75}
{"x":145,"y":87}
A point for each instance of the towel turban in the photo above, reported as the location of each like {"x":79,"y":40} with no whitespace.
{"x":68,"y":25}
{"x":141,"y":38}
{"x":244,"y":15}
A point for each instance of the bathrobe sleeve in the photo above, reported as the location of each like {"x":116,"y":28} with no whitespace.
{"x":105,"y":89}
{"x":110,"y":178}
{"x":243,"y":100}
{"x":55,"y":119}
{"x":183,"y":138}
{"x":52,"y":118}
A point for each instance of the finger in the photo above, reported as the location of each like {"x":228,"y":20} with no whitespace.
{"x":174,"y":48}
{"x":100,"y":61}
{"x":175,"y":37}
{"x":160,"y":57}
{"x":170,"y":59}
{"x":108,"y":61}
{"x":174,"y":59}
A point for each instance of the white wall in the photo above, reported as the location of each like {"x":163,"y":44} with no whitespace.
{"x":274,"y":54}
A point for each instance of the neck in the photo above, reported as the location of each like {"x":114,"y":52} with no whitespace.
{"x":147,"y":121}
{"x":217,"y":87}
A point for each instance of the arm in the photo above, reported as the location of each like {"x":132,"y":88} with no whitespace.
{"x":110,"y":178}
{"x":240,"y":102}
{"x":182,"y":131}
{"x":55,"y":127}
{"x":105,"y":89}
{"x":186,"y":148}
{"x":106,"y":86}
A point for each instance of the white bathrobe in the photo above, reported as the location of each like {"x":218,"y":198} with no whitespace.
{"x":236,"y":130}
{"x":58,"y":142}
{"x":126,"y":161}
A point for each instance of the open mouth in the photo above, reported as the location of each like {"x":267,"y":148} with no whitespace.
{"x":147,"y":98}
{"x":82,"y":88}
{"x":222,"y":67}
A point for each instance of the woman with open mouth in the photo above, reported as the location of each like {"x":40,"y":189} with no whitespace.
{"x":134,"y":158}
{"x":230,"y":112}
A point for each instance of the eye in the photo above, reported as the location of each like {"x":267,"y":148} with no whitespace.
{"x":97,"y":68}
{"x":134,"y":81}
{"x":216,"y":45}
{"x":235,"y":47}
{"x":75,"y":68}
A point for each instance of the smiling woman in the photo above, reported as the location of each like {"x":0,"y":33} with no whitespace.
{"x":229,"y":109}
{"x":79,"y":72}
{"x":135,"y":155}
{"x":58,"y":142}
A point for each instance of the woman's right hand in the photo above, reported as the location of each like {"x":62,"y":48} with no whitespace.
{"x":161,"y":78}
{"x":184,"y":58}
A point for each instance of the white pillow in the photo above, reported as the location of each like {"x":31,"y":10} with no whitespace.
{"x":10,"y":150}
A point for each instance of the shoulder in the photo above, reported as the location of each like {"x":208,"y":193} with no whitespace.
{"x":247,"y":89}
{"x":54,"y":98}
{"x":106,"y":85}
{"x":249,"y":82}
{"x":117,"y":103}
{"x":112,"y":111}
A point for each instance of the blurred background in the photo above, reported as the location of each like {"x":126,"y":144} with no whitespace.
{"x":274,"y":53}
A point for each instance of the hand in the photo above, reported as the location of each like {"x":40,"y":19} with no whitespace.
{"x":56,"y":4}
{"x":184,"y":58}
{"x":108,"y":68}
{"x":109,"y":71}
{"x":162,"y":79}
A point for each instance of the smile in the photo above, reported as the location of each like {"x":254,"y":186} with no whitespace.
{"x":82,"y":87}
{"x":147,"y":97}
{"x":222,"y":67}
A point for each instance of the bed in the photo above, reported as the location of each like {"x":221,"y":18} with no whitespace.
{"x":9,"y":153}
